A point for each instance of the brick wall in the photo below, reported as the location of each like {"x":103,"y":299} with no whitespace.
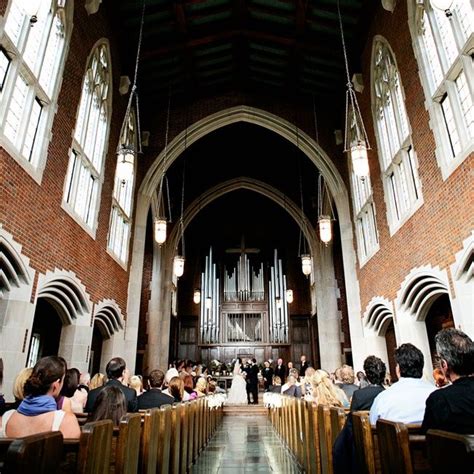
{"x":33,"y":214}
{"x":436,"y":231}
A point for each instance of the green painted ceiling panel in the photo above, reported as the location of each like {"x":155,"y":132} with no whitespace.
{"x":324,"y":73}
{"x":199,"y":6}
{"x":205,"y":51}
{"x":268,"y":60}
{"x":268,"y":49}
{"x":216,"y":60}
{"x":265,"y":71}
{"x":334,"y":63}
{"x":213,"y":72}
{"x":285,"y":6}
{"x":281,"y":20}
{"x":266,"y":81}
{"x":202,"y":20}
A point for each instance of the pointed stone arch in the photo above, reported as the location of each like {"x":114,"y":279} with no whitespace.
{"x":194,"y":132}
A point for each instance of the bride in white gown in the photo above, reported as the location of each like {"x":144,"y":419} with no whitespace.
{"x":238,"y":390}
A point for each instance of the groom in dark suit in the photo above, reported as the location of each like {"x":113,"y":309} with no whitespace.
{"x":252,"y":382}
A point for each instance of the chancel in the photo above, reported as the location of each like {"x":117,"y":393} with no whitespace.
{"x":251,"y":211}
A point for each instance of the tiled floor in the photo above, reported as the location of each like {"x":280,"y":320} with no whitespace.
{"x":244,"y":444}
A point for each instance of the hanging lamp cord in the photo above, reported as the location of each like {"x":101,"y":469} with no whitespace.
{"x":133,"y":92}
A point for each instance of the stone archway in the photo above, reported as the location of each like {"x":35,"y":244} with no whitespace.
{"x":147,"y":189}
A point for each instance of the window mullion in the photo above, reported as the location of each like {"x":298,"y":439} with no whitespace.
{"x":456,"y":107}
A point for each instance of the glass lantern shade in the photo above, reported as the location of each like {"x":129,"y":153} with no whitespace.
{"x":325,"y":229}
{"x":178,"y":265}
{"x":289,"y":296}
{"x":441,"y":4}
{"x":160,"y":230}
{"x":125,"y":164}
{"x":360,"y":160}
{"x":30,"y":7}
{"x":208,"y":303}
{"x":197,"y":296}
{"x":306,"y":264}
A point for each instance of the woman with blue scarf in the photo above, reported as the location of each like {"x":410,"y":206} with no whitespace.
{"x":38,"y":412}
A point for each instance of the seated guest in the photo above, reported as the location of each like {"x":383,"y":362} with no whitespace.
{"x":71,"y":381}
{"x":38,"y":412}
{"x":362,"y":379}
{"x":110,"y":404}
{"x":19,"y":385}
{"x":347,"y":376}
{"x":291,"y":388}
{"x":201,"y":387}
{"x":306,"y":381}
{"x":344,"y":461}
{"x":294,"y":373}
{"x":136,"y":384}
{"x":189,"y":387}
{"x":154,"y":397}
{"x":98,"y":380}
{"x":79,"y":399}
{"x":116,"y":370}
{"x":276,"y":387}
{"x":325,"y":392}
{"x":405,"y":400}
{"x":452,"y":408}
{"x":176,"y":389}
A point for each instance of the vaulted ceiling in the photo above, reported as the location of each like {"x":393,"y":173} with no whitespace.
{"x":264,"y":46}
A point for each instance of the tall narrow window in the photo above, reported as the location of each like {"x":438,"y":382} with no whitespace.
{"x":396,"y":155}
{"x":31,"y":61}
{"x":121,"y":214}
{"x":444,"y":47}
{"x":85,"y":172}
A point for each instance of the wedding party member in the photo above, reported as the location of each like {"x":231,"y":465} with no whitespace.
{"x":267,"y":374}
{"x":38,"y":412}
{"x":452,"y":408}
{"x":304,"y":365}
{"x":154,"y":397}
{"x":280,"y":370}
{"x":110,"y":404}
{"x":404,"y":401}
{"x":252,"y":382}
{"x":238,"y":390}
{"x":116,"y":373}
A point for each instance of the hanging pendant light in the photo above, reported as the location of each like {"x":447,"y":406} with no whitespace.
{"x":125,"y":163}
{"x":289,"y":296}
{"x":160,"y":230}
{"x":178,"y":265}
{"x":360,"y":161}
{"x":306,"y":264}
{"x":325,"y":229}
{"x":356,"y":141}
{"x":197,"y":296}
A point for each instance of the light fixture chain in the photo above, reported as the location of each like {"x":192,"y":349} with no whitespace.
{"x":139,"y":127}
{"x":349,"y":83}
{"x":182,"y":207}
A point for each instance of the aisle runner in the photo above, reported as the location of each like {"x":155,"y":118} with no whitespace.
{"x":244,"y":444}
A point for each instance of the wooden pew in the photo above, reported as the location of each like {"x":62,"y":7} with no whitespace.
{"x":450,"y":452}
{"x":394,"y":447}
{"x":175,"y":438}
{"x":338,"y":420}
{"x":38,"y":454}
{"x":325,"y":438}
{"x":95,"y":447}
{"x":127,"y":450}
{"x":314,"y":448}
{"x":149,"y":441}
{"x":364,"y":443}
{"x":164,"y":437}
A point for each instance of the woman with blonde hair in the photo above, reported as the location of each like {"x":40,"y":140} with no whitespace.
{"x":325,"y":392}
{"x":136,"y":383}
{"x":19,"y":385}
{"x":201,"y":387}
{"x":97,"y":381}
